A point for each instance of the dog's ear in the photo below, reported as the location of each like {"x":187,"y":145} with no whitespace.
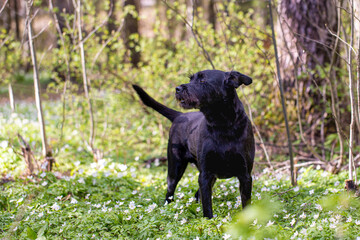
{"x":236,"y":79}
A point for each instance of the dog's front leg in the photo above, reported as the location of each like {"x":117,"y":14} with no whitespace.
{"x":206,"y":181}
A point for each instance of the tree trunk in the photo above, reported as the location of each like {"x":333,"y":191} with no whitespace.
{"x":303,"y":38}
{"x":131,"y":26}
{"x":305,"y":42}
{"x":45,"y":148}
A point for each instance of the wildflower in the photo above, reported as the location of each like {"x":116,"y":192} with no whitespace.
{"x":270,"y":223}
{"x":55,"y":207}
{"x":226,"y":236}
{"x":132,"y":205}
{"x":183,"y":221}
{"x":15,"y":228}
{"x":357,"y":222}
{"x":43,"y":174}
{"x":44,"y":183}
{"x":318,"y":207}
{"x":169,"y":235}
{"x":73,"y":201}
{"x":320,"y":228}
{"x":349,"y":219}
{"x":59,"y":197}
{"x":303,"y":231}
{"x":198,"y":209}
{"x":303,"y":215}
{"x":258,"y":195}
{"x":336,"y":183}
{"x":41,"y":215}
{"x":316,"y":216}
{"x":197,"y":238}
{"x":87,"y":196}
{"x":296,"y":189}
{"x":311,"y":192}
{"x":286,"y":216}
{"x":255,"y":222}
{"x":151,"y":207}
{"x":81,"y":180}
{"x":77,"y":163}
{"x":292,"y":222}
{"x":128,"y":218}
{"x":176,"y":216}
{"x":313,"y":224}
{"x":332,"y":225}
{"x":295,"y":235}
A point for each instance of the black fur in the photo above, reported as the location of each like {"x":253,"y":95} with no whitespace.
{"x":218,"y":139}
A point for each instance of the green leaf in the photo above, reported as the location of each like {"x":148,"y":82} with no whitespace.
{"x":30,"y":233}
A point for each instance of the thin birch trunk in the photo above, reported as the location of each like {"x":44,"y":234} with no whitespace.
{"x":46,"y":152}
{"x":85,"y":80}
{"x":351,"y":94}
{"x":11,"y":98}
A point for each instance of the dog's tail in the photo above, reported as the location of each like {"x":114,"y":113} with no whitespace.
{"x":150,"y":102}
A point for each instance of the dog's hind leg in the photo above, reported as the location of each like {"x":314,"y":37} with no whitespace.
{"x":176,"y":168}
{"x":245,"y":189}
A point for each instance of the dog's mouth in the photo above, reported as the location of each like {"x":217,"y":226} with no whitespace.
{"x":186,"y":102}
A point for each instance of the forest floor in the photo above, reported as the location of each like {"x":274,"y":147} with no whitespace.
{"x":123,"y":198}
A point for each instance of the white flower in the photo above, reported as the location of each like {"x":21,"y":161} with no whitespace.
{"x":292,"y":222}
{"x":332,"y":225}
{"x":311,"y":192}
{"x":269,"y":223}
{"x":55,"y":207}
{"x":132,"y":205}
{"x":73,"y":201}
{"x":336,"y":183}
{"x":198,"y":209}
{"x":255,"y":222}
{"x":357,"y":222}
{"x":122,"y":167}
{"x":151,"y":207}
{"x":129,"y":217}
{"x":320,"y":228}
{"x":313,"y":224}
{"x":81,"y":180}
{"x":176,"y":216}
{"x":226,"y":236}
{"x":41,"y":214}
{"x":303,"y":215}
{"x":197,"y":238}
{"x":349,"y":219}
{"x":318,"y":207}
{"x":295,"y":235}
{"x":169,"y":235}
{"x":43,"y":174}
{"x":296,"y":189}
{"x":286,"y":216}
{"x":316,"y":216}
{"x":15,"y":228}
{"x":77,"y":163}
{"x":3,"y":144}
{"x":44,"y":183}
{"x":303,"y":231}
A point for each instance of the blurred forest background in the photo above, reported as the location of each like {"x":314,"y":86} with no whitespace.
{"x":86,"y":55}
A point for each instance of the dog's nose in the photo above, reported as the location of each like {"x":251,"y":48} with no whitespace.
{"x":178,"y":89}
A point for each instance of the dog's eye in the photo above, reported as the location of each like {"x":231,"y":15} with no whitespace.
{"x":202,"y":80}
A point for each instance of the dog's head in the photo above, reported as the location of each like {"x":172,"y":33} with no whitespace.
{"x":210,"y":87}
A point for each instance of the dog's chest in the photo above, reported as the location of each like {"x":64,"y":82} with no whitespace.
{"x":224,"y":159}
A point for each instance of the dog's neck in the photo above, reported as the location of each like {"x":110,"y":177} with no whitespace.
{"x":225,"y":115}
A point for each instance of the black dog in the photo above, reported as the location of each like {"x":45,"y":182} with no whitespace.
{"x":218,"y":139}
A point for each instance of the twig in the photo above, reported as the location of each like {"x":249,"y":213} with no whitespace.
{"x":3,"y":7}
{"x":193,"y":31}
